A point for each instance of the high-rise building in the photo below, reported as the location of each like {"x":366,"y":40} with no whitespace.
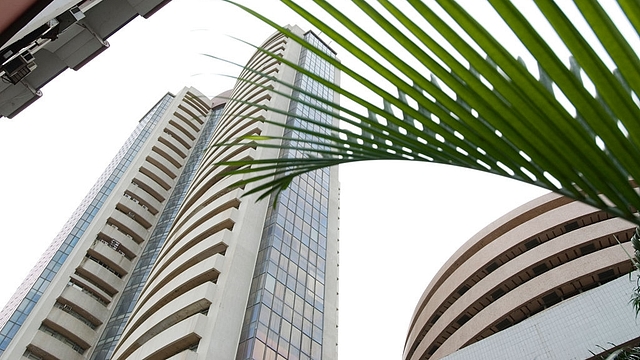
{"x":59,"y":310}
{"x":548,"y":280}
{"x":165,"y":260}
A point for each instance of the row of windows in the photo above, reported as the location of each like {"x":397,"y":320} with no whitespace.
{"x":291,"y":339}
{"x":302,"y":285}
{"x":308,"y":99}
{"x":285,"y":314}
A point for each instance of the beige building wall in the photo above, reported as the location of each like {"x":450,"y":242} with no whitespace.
{"x":538,"y":255}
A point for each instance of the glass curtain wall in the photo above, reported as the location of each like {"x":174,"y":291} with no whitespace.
{"x":285,"y":314}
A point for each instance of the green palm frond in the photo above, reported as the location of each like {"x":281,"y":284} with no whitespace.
{"x":453,"y":94}
{"x":632,"y":353}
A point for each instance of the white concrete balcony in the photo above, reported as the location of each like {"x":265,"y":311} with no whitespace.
{"x":180,"y":120}
{"x":196,"y":103}
{"x":53,"y":348}
{"x":91,"y":289}
{"x":150,"y":186}
{"x":220,"y":194}
{"x":100,"y":276}
{"x":185,"y":305}
{"x":195,"y":212}
{"x":170,"y":342}
{"x":193,"y":119}
{"x":198,"y":112}
{"x":70,"y":327}
{"x":127,"y":244}
{"x":206,"y":192}
{"x":152,"y":203}
{"x":207,"y":228}
{"x":157,"y":175}
{"x":173,"y":143}
{"x":142,"y":215}
{"x":110,"y":256}
{"x":163,"y":164}
{"x":241,"y":125}
{"x":163,"y":291}
{"x":187,"y":253}
{"x":85,"y":305}
{"x":182,"y":130}
{"x":168,"y":153}
{"x":130,"y":226}
{"x":229,"y":154}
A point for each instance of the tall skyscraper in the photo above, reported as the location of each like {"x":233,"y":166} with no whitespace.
{"x":163,"y":259}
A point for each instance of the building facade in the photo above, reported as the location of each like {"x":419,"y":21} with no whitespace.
{"x":169,"y":261}
{"x":546,"y":281}
{"x":39,"y":39}
{"x":59,"y":310}
{"x":240,"y":279}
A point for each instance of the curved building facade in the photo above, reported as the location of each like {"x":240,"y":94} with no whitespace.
{"x":538,"y":260}
{"x":166,"y":259}
{"x":238,"y":278}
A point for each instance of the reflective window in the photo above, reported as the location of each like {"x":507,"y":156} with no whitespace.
{"x":285,"y":314}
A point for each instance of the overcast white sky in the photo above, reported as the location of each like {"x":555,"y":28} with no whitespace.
{"x":399,"y":221}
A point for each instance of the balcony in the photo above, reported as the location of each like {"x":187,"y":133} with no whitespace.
{"x":170,"y":342}
{"x":127,"y":244}
{"x":177,"y":146}
{"x":163,"y":164}
{"x":142,"y":215}
{"x":110,"y":256}
{"x":152,"y":203}
{"x":47,"y":346}
{"x":71,"y":328}
{"x":85,"y":305}
{"x":151,"y":187}
{"x":157,"y":175}
{"x":100,"y":276}
{"x":129,"y":225}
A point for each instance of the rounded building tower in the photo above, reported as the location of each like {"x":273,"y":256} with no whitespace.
{"x":236,"y":278}
{"x":519,"y":288}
